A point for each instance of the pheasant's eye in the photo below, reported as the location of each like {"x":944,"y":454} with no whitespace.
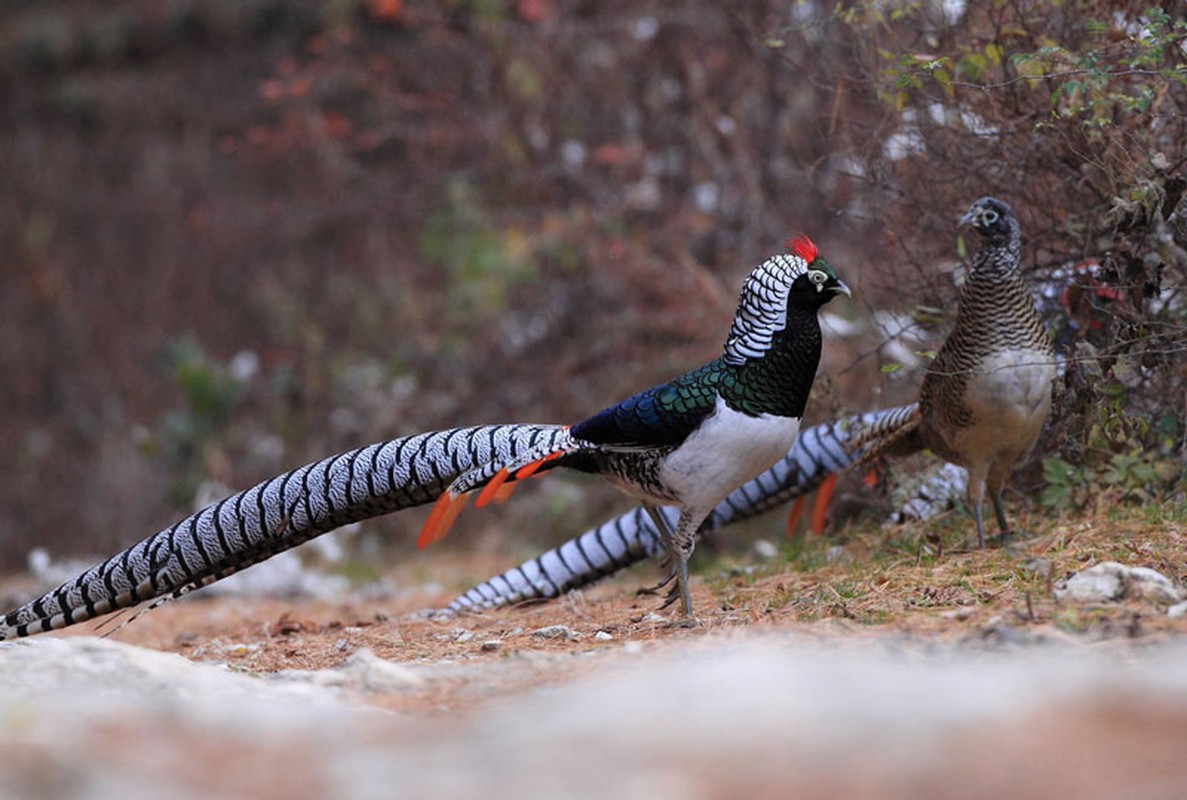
{"x":817,"y":277}
{"x":989,"y":216}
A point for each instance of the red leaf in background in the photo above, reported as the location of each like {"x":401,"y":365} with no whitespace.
{"x":272,"y":90}
{"x":337,"y":126}
{"x":385,"y":10}
{"x":260,"y":136}
{"x":534,"y":11}
{"x":610,"y":154}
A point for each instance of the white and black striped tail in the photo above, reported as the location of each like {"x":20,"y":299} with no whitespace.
{"x":818,"y":452}
{"x":273,"y":516}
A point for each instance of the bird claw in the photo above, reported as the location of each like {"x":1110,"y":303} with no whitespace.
{"x":672,"y":596}
{"x":665,"y":581}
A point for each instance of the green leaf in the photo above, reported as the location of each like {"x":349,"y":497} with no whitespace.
{"x":1056,"y":470}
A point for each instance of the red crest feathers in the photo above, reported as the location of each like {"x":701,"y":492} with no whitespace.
{"x":803,"y":247}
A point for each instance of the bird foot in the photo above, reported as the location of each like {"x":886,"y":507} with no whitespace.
{"x":686,"y":621}
{"x":653,"y":590}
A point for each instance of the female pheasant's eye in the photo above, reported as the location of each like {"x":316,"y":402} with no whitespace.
{"x":990,"y":216}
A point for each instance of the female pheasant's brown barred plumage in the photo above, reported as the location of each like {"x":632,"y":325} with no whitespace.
{"x":987,"y":394}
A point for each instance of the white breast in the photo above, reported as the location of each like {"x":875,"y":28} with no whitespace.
{"x":729,"y":449}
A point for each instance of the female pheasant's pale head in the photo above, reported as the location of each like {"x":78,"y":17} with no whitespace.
{"x":1000,"y":253}
{"x":992,"y":219}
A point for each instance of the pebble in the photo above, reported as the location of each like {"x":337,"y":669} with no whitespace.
{"x":491,"y":646}
{"x":363,"y":671}
{"x":958,"y":614}
{"x":765,"y":549}
{"x":1037,"y":565}
{"x":837,"y":555}
{"x":1111,"y":580}
{"x":555,"y":632}
{"x":602,"y":636}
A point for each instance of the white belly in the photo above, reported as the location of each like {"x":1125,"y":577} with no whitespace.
{"x":729,"y":449}
{"x":1011,"y":397}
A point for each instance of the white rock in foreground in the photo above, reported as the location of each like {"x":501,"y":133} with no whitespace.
{"x":733,"y":714}
{"x":1110,"y":581}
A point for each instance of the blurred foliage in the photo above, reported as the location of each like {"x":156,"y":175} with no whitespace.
{"x":483,"y":263}
{"x":210,"y":395}
{"x":421,"y":214}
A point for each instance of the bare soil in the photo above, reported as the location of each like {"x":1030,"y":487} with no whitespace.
{"x":905,"y":583}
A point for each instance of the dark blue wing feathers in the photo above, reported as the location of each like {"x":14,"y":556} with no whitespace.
{"x":662,"y":416}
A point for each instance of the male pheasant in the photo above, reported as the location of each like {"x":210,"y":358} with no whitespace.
{"x":691,"y":441}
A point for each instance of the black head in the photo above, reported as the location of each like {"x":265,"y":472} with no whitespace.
{"x":994,"y":220}
{"x":817,"y":285}
{"x":800,"y":280}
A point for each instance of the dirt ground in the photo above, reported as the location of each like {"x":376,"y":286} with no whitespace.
{"x":916,"y":584}
{"x":879,"y":664}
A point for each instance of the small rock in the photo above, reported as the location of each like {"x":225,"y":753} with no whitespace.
{"x":1177,"y":610}
{"x":959,"y":614}
{"x":1037,"y":565}
{"x":556,"y":632}
{"x":491,"y":646}
{"x":1110,"y":580}
{"x":765,"y":550}
{"x":602,"y":636}
{"x":364,"y":671}
{"x":1001,"y":633}
{"x":651,"y":616}
{"x":461,"y":635}
{"x":837,"y":555}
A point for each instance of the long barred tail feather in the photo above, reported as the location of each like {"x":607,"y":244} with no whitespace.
{"x":818,"y":452}
{"x":493,"y":480}
{"x":276,"y":515}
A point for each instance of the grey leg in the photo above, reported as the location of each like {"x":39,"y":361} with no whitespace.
{"x":679,"y":548}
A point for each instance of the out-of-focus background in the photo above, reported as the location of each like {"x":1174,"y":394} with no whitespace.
{"x":239,"y":235}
